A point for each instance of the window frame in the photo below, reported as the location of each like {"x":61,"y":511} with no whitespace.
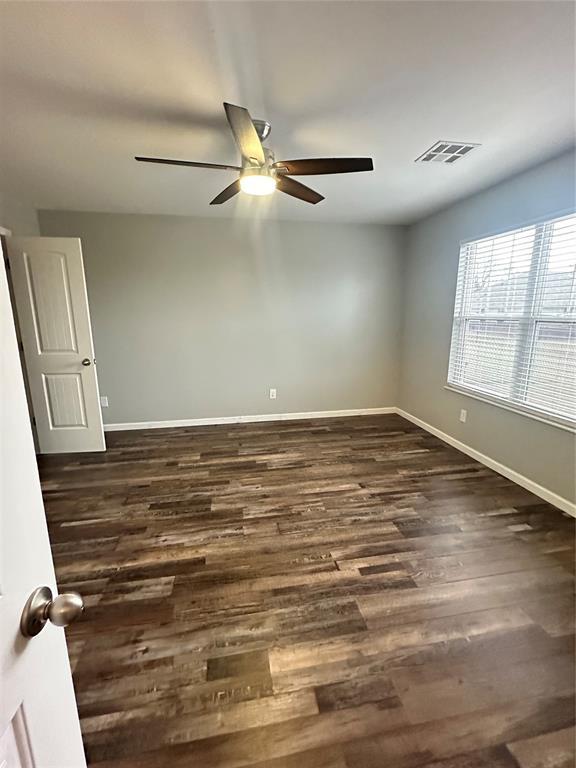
{"x":529,"y":319}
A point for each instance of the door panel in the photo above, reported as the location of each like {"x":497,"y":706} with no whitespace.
{"x":49,"y":295}
{"x":15,"y":749}
{"x":65,"y":400}
{"x":38,"y":716}
{"x":52,"y":305}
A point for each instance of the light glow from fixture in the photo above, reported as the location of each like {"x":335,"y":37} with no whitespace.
{"x":257,"y":183}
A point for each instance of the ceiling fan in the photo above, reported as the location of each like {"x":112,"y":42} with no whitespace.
{"x":260,"y":172}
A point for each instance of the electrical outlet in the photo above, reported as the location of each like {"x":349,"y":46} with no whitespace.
{"x":103,"y":401}
{"x":463,"y":415}
{"x":272,"y":394}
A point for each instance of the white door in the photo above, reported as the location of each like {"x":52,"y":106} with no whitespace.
{"x":47,"y":275}
{"x":38,"y":717}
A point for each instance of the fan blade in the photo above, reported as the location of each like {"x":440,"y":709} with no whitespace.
{"x":322,"y":165}
{"x":245,"y":134}
{"x":166,"y":161}
{"x":295,"y":189}
{"x":227,"y":193}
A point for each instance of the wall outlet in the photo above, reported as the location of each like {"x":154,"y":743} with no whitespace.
{"x":272,"y":394}
{"x":103,"y":401}
{"x":463,"y":415}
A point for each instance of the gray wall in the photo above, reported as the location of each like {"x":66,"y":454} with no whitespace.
{"x":539,"y":451}
{"x":19,"y":218}
{"x":200,"y":317}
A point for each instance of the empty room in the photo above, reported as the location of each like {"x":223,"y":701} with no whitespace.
{"x":288,"y":383}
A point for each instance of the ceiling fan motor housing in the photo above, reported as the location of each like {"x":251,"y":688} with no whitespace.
{"x":253,"y":165}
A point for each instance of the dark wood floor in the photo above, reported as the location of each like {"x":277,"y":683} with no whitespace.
{"x":347,"y":593}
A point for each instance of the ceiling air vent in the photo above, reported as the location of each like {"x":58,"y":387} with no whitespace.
{"x":446,"y":152}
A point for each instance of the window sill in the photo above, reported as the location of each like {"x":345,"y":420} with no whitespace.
{"x":565,"y":425}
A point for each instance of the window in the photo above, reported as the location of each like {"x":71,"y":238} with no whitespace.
{"x":514,"y":331}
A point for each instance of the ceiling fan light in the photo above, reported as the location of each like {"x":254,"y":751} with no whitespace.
{"x":257,"y":184}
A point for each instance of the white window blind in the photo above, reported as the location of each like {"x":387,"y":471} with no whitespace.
{"x":514,"y":331}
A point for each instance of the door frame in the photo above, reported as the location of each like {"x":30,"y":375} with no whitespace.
{"x":4,"y":232}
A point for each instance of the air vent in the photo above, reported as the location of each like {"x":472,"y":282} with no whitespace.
{"x":446,"y":152}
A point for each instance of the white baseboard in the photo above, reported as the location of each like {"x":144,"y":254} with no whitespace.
{"x":247,"y":419}
{"x":538,"y":490}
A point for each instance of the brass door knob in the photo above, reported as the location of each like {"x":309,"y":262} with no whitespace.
{"x":40,"y":608}
{"x":86,"y":361}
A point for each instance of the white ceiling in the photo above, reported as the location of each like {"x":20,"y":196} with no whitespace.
{"x":85,"y":86}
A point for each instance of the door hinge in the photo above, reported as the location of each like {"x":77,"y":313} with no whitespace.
{"x":21,"y":346}
{"x":33,"y":421}
{"x":7,"y":264}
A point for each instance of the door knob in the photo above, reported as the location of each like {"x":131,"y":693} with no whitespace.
{"x":40,"y":608}
{"x":86,"y":361}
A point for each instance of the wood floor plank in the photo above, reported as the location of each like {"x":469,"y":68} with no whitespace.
{"x":330,"y":757}
{"x":149,"y":733}
{"x":550,"y":750}
{"x":556,"y":615}
{"x":460,"y":735}
{"x":444,"y":689}
{"x":493,"y":757}
{"x":270,"y":742}
{"x":334,"y":593}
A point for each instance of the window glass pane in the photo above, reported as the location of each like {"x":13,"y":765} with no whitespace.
{"x":498,"y":277}
{"x":558,"y":293}
{"x":552,"y":377}
{"x":489,"y":352}
{"x":498,"y":274}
